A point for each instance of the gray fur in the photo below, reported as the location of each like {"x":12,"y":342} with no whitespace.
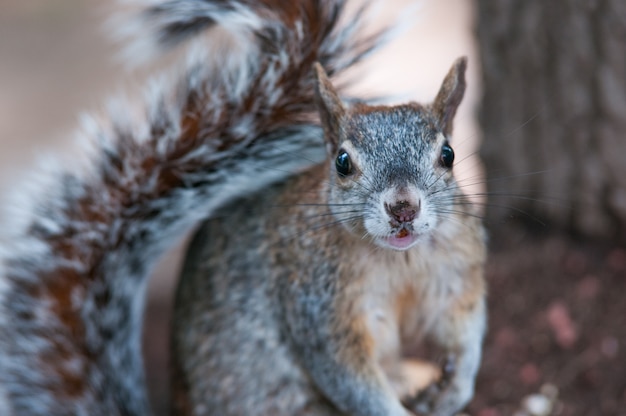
{"x":90,"y":229}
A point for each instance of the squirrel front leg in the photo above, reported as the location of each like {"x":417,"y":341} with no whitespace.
{"x":460,"y":333}
{"x":336,"y":349}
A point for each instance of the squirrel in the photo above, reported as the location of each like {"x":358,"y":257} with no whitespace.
{"x":317,"y":276}
{"x":310,"y":297}
{"x":81,"y":238}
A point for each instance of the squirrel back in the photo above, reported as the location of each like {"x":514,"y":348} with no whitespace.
{"x":74,"y":260}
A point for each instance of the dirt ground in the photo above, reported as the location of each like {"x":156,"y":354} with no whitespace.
{"x":557,"y":315}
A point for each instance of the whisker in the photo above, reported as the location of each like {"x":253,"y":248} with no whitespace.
{"x":549,"y":200}
{"x":458,"y":212}
{"x":326,"y":214}
{"x":524,"y":124}
{"x":518,"y":210}
{"x":520,"y":175}
{"x":435,"y":181}
{"x":355,"y":204}
{"x":323,"y":226}
{"x":451,"y":216}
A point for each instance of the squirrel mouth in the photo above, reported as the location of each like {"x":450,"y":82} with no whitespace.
{"x":402,"y":240}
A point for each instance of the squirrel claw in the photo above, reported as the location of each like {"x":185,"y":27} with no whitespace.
{"x":423,"y":403}
{"x":448,"y":369}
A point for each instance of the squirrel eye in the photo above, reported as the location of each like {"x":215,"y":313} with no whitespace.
{"x":447,"y":156}
{"x":343,"y":163}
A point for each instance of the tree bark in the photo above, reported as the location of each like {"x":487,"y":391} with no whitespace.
{"x":554,"y":112}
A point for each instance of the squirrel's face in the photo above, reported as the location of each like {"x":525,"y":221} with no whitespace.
{"x":391,"y":175}
{"x":391,"y":167}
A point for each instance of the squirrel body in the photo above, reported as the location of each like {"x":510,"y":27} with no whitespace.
{"x":311,"y":298}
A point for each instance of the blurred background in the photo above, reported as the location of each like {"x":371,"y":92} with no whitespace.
{"x":546,"y":87}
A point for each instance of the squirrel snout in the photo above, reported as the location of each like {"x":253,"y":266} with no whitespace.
{"x":402,"y":211}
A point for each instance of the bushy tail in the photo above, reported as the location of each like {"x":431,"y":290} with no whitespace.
{"x":78,"y":248}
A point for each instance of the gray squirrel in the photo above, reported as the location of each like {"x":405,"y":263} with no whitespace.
{"x":307,"y":295}
{"x":311,"y":297}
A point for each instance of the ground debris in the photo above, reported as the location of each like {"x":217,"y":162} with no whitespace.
{"x":557,"y":315}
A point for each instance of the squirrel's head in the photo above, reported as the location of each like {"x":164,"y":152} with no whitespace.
{"x":391,"y":167}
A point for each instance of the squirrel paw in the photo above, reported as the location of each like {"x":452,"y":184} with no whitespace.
{"x":432,"y":400}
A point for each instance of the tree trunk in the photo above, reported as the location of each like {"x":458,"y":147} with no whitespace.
{"x":554,"y":112}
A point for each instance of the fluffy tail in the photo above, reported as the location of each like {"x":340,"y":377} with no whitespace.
{"x":77,"y":251}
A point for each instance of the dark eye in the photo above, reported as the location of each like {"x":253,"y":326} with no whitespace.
{"x":343,"y":163}
{"x":447,"y":156}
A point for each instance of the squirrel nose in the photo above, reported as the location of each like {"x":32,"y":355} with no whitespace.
{"x":402,"y":211}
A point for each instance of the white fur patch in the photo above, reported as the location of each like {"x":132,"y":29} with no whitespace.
{"x":139,"y":35}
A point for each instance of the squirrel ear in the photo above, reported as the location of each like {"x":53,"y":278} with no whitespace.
{"x":329,"y":106}
{"x":450,"y":95}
